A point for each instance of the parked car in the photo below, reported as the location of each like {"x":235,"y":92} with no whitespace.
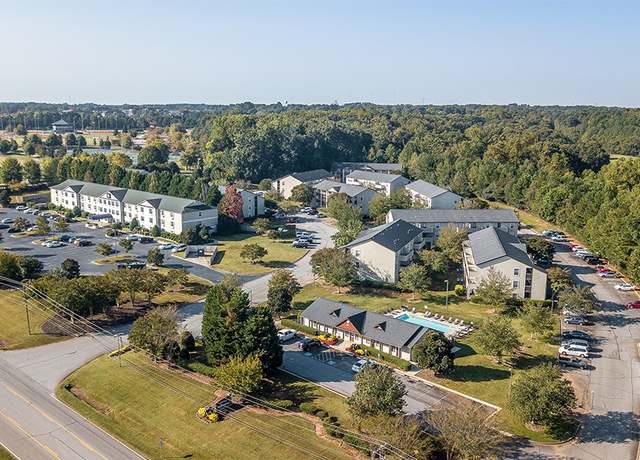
{"x":320,"y":215}
{"x":146,"y":239}
{"x":608,"y":274}
{"x":313,"y":212}
{"x":3,"y":226}
{"x":284,"y":335}
{"x":136,"y":265}
{"x":21,"y":207}
{"x":577,"y":320}
{"x":178,"y":248}
{"x":278,"y":215}
{"x":570,"y":361}
{"x":626,"y":287}
{"x":574,"y":350}
{"x":80,"y":243}
{"x":634,"y":304}
{"x":593,"y":260}
{"x":65,"y":238}
{"x":584,"y":343}
{"x":53,"y":244}
{"x":300,"y":244}
{"x":559,"y":238}
{"x":307,"y":344}
{"x":568,"y":335}
{"x":361,"y":364}
{"x":132,"y":237}
{"x":602,"y":269}
{"x":8,"y":220}
{"x":166,"y":246}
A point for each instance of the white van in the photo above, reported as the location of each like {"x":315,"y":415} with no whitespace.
{"x":574,"y":349}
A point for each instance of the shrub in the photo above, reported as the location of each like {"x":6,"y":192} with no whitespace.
{"x":213,"y":417}
{"x":283,"y":404}
{"x":459,"y":290}
{"x":201,"y":368}
{"x":321,"y":414}
{"x":120,"y":351}
{"x":358,"y":443}
{"x":187,"y":341}
{"x":387,"y":358}
{"x":308,"y":408}
{"x":184,"y":354}
{"x":332,"y":429}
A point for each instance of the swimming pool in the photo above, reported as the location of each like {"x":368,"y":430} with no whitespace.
{"x":425,"y":322}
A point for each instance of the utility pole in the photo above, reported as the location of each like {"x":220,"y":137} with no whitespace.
{"x":26,"y":309}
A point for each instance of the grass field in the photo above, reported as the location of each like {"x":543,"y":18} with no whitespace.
{"x":13,"y":323}
{"x":131,"y":404}
{"x":112,"y":259}
{"x":280,"y":254}
{"x":5,"y":455}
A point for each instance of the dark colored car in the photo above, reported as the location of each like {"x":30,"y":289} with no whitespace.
{"x":569,"y":361}
{"x":3,"y":226}
{"x":146,"y":239}
{"x":136,"y":265}
{"x":577,"y":320}
{"x":65,"y":238}
{"x":82,"y":243}
{"x":307,"y":344}
{"x":568,"y":335}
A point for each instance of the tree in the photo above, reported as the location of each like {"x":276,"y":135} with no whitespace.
{"x":154,"y":331}
{"x":539,"y":247}
{"x":31,"y":171}
{"x":265,"y":185}
{"x":497,"y":337}
{"x":450,"y":243}
{"x":42,"y":225}
{"x":407,"y":432}
{"x":536,"y":319}
{"x":231,"y":204}
{"x":541,"y":396}
{"x":578,"y":299}
{"x":20,"y":130}
{"x":559,"y":279}
{"x":104,"y":249}
{"x":155,"y":231}
{"x":282,"y":287}
{"x":125,"y":244}
{"x":126,"y":280}
{"x":260,"y":336}
{"x":253,"y":252}
{"x":415,"y":279}
{"x":381,"y":204}
{"x":154,"y":153}
{"x":69,"y":269}
{"x":5,"y":198}
{"x":134,"y":223}
{"x":152,"y":283}
{"x":61,"y":224}
{"x":10,"y":170}
{"x":495,"y":288}
{"x":30,"y":267}
{"x":378,"y":392}
{"x":240,"y":375}
{"x":434,"y":351}
{"x":348,"y":230}
{"x":155,"y":257}
{"x":302,"y":193}
{"x":465,"y":431}
{"x":261,"y":225}
{"x":334,"y":266}
{"x":433,"y":261}
{"x":20,"y":224}
{"x":10,"y":266}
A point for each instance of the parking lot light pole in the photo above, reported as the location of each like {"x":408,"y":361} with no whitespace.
{"x":446,"y":299}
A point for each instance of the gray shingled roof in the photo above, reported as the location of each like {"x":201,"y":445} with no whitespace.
{"x":373,"y":166}
{"x":492,"y":243}
{"x":60,"y":122}
{"x":310,"y":176}
{"x":393,"y":236}
{"x":376,"y":177}
{"x":348,"y":189}
{"x":130,"y":196}
{"x":372,"y":325}
{"x":454,"y":215}
{"x":425,"y":188}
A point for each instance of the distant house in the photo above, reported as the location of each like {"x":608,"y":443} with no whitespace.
{"x":357,"y":195}
{"x":381,"y":252}
{"x":285,"y":184}
{"x":380,"y":182}
{"x":61,"y":126}
{"x":496,"y":249}
{"x":343,"y":169}
{"x":252,"y":203}
{"x":432,"y":221}
{"x":355,"y":325}
{"x":431,"y":196}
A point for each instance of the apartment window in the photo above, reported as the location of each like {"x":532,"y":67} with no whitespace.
{"x":516,"y":283}
{"x":356,"y":253}
{"x":516,"y":272}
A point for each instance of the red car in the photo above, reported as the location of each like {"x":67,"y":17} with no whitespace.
{"x":634,"y":304}
{"x":602,"y":269}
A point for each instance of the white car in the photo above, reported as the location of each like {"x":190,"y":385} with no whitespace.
{"x":559,"y":238}
{"x":608,"y":274}
{"x":584,"y":343}
{"x":574,"y":349}
{"x":284,"y":335}
{"x":625,"y":287}
{"x":361,"y":364}
{"x":7,"y":220}
{"x":53,"y":244}
{"x":165,"y":246}
{"x":178,"y":248}
{"x":21,"y":207}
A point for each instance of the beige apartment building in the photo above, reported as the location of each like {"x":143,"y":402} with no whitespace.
{"x":285,"y":184}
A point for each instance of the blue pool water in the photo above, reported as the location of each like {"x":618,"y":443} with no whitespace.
{"x":426,"y":323}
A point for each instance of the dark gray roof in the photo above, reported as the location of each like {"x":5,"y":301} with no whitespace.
{"x":394,"y":235}
{"x":426,"y":189}
{"x":60,"y":122}
{"x":340,"y":187}
{"x":377,"y":177}
{"x":372,"y":325}
{"x":491,"y":243}
{"x":389,"y":167}
{"x":130,"y":196}
{"x":454,"y":215}
{"x":310,"y":176}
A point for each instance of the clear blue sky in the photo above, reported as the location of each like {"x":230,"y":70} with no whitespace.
{"x":308,"y":51}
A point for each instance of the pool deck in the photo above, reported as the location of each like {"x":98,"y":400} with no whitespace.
{"x":455,"y":327}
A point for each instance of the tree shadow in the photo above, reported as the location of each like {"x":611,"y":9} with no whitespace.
{"x":527,"y":361}
{"x":464,"y":350}
{"x":276,"y":264}
{"x":474,"y":373}
{"x":613,"y":427}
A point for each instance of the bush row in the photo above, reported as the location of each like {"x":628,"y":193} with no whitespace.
{"x":332,"y":427}
{"x":387,"y":358}
{"x":293,"y":324}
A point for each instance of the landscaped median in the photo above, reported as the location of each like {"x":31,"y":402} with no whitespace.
{"x":154,"y":411}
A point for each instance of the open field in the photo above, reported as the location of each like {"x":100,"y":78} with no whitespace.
{"x":160,"y":421}
{"x":280,"y":254}
{"x":13,"y":323}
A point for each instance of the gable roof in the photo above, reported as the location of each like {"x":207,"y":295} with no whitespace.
{"x":310,"y":176}
{"x":359,"y":174}
{"x":491,"y":243}
{"x":135,"y":197}
{"x":60,"y":122}
{"x":339,"y":187}
{"x":375,"y":326}
{"x":394,"y":235}
{"x":425,"y":188}
{"x":389,"y":167}
{"x":454,"y":215}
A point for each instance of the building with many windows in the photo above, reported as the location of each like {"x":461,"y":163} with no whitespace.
{"x":380,"y":182}
{"x":426,"y":195}
{"x":61,"y":127}
{"x":493,"y":249}
{"x":252,"y":203}
{"x":357,"y":195}
{"x":169,"y":213}
{"x":344,"y":168}
{"x":285,"y":184}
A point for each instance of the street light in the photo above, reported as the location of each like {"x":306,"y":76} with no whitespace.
{"x":446,"y":301}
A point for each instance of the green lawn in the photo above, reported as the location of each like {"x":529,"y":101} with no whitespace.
{"x":280,"y":254}
{"x":112,"y":398}
{"x":13,"y":323}
{"x":5,"y":455}
{"x":112,"y":259}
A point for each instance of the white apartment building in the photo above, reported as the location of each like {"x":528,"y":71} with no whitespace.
{"x":380,"y":182}
{"x":344,"y":168}
{"x":494,"y":249}
{"x":426,"y":195}
{"x":252,"y":203}
{"x":357,"y":195}
{"x":169,"y":213}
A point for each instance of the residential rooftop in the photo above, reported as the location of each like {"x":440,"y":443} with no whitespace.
{"x":454,"y":215}
{"x":375,"y":176}
{"x":340,"y":187}
{"x":310,"y":176}
{"x":425,"y":188}
{"x":372,"y":166}
{"x":394,"y":235}
{"x":491,"y":244}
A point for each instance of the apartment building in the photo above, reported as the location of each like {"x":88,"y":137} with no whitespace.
{"x":285,"y":184}
{"x":252,"y":203}
{"x":380,"y":182}
{"x":169,"y":213}
{"x":381,"y":252}
{"x":494,"y":249}
{"x":432,"y":221}
{"x":343,"y":169}
{"x":426,"y":195}
{"x":358,"y":196}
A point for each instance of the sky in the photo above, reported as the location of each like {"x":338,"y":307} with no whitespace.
{"x":387,"y":52}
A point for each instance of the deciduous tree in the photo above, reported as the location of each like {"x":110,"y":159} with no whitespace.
{"x":497,"y":337}
{"x":415,"y":279}
{"x":240,"y":375}
{"x":378,"y":392}
{"x":253,"y":252}
{"x":153,"y":331}
{"x":282,"y":287}
{"x":434,"y":351}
